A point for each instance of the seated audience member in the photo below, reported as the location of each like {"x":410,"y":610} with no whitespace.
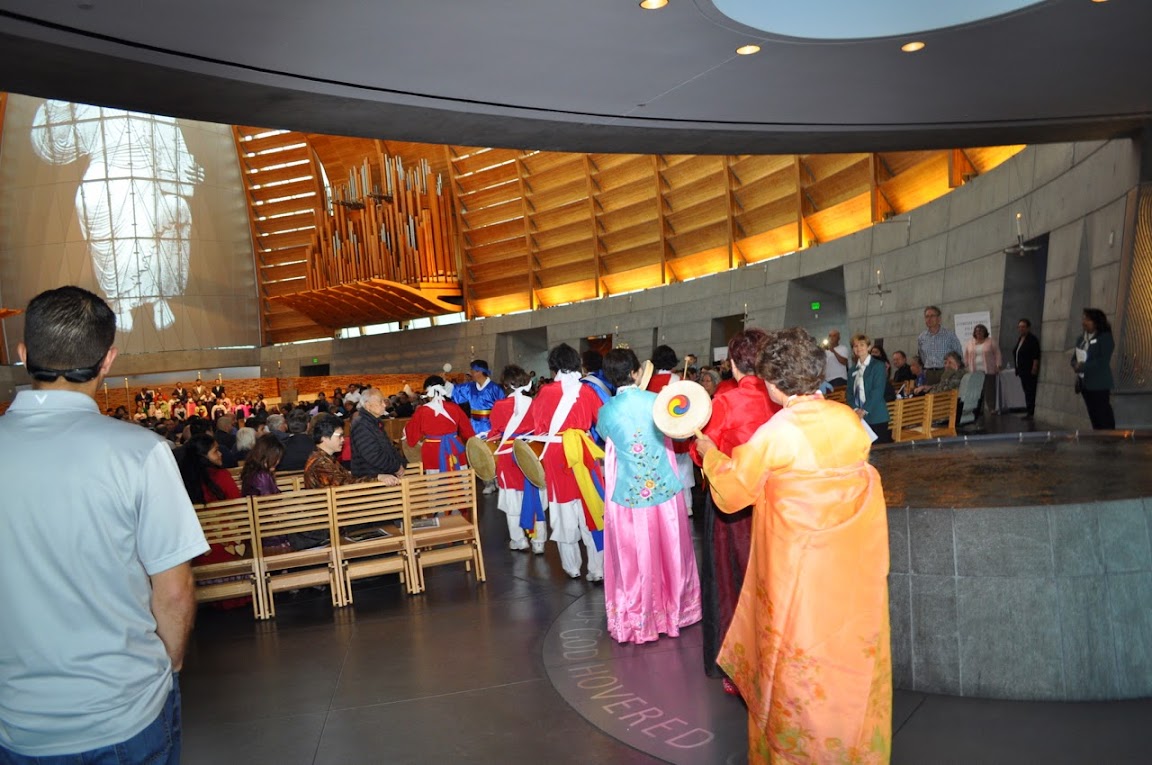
{"x":322,"y":469}
{"x":258,"y":478}
{"x":299,"y":445}
{"x":404,"y":405}
{"x":709,"y":379}
{"x":372,"y":451}
{"x":278,"y":426}
{"x":901,"y":370}
{"x":204,"y":476}
{"x":207,"y":481}
{"x":245,"y":440}
{"x":950,"y":378}
{"x":919,"y":376}
{"x":879,"y":354}
{"x":727,"y":381}
{"x":442,"y":426}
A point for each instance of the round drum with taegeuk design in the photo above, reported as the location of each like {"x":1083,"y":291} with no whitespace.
{"x":682,"y":408}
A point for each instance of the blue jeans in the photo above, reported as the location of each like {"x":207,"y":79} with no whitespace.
{"x":158,"y":744}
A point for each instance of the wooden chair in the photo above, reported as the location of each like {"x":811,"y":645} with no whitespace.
{"x":229,"y":523}
{"x":942,"y":414}
{"x":394,"y":427}
{"x":456,"y":539}
{"x":294,"y":512}
{"x":414,"y":468}
{"x":358,"y":508}
{"x":838,"y":394}
{"x":291,"y":481}
{"x":909,"y":418}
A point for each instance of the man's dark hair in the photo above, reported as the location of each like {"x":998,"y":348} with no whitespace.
{"x":325,"y":426}
{"x":619,"y":365}
{"x":563,"y":358}
{"x":431,"y":380}
{"x":480,"y":363}
{"x":1026,"y":322}
{"x":298,"y":421}
{"x":664,"y":358}
{"x":592,"y":361}
{"x":68,"y":328}
{"x":514,"y":376}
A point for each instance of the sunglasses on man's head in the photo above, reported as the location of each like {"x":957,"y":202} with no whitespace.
{"x":78,"y":375}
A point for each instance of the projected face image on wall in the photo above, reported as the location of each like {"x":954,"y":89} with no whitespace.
{"x":132,"y":203}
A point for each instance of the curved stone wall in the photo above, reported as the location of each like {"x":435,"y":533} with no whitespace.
{"x":1035,"y":602}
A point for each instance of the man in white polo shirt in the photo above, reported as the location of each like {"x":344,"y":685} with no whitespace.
{"x":836,"y":360}
{"x":96,"y":590}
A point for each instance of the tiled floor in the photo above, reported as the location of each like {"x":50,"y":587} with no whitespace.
{"x":461,"y":674}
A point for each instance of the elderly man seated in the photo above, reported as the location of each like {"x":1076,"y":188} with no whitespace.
{"x":949,"y":379}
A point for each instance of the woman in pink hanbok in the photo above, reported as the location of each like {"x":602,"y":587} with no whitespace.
{"x":651,"y":585}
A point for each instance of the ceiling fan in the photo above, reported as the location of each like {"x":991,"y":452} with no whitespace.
{"x":1020,"y":248}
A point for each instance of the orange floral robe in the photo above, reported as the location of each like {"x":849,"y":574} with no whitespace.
{"x":809,"y":645}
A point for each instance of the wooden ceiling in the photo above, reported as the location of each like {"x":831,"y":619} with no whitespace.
{"x":536,"y":229}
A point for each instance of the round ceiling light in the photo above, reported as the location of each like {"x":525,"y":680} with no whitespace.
{"x":748,"y":50}
{"x":651,"y":5}
{"x":912,"y":47}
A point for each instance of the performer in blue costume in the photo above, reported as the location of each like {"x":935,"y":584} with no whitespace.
{"x":480,"y":395}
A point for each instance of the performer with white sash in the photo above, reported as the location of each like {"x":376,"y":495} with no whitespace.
{"x":565,"y":409}
{"x":525,"y":511}
{"x":444,"y":428}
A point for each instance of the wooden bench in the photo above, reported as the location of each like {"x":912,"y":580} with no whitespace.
{"x":449,"y":498}
{"x":930,"y":416}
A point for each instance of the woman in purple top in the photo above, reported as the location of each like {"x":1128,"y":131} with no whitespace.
{"x":258,"y":476}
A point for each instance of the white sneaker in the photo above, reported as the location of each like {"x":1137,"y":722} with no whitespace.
{"x":573,"y":574}
{"x":518,"y":545}
{"x":538,"y":548}
{"x":490,"y":488}
{"x":594,"y":577}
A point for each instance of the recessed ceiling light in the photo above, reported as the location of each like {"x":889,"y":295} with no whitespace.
{"x":748,"y":50}
{"x":912,"y":47}
{"x":1099,"y":1}
{"x":651,"y":5}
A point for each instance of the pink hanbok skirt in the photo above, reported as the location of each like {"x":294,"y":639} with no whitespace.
{"x":651,"y":585}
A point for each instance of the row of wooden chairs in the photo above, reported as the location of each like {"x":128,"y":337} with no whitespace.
{"x":427,"y":520}
{"x":929,"y":416}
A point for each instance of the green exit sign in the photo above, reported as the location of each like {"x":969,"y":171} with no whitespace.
{"x":317,"y":361}
{"x":815,"y":306}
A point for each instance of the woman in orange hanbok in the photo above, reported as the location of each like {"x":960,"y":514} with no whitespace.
{"x":809,"y":645}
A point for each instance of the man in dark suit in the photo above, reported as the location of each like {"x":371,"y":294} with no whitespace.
{"x":1028,"y":365}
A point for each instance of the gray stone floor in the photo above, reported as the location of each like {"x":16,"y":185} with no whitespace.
{"x":461,"y":674}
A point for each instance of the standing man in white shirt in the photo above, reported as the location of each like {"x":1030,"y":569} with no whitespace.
{"x":836,"y":360}
{"x":96,"y":587}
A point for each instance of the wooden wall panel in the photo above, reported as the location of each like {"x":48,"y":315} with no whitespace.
{"x":539,"y":228}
